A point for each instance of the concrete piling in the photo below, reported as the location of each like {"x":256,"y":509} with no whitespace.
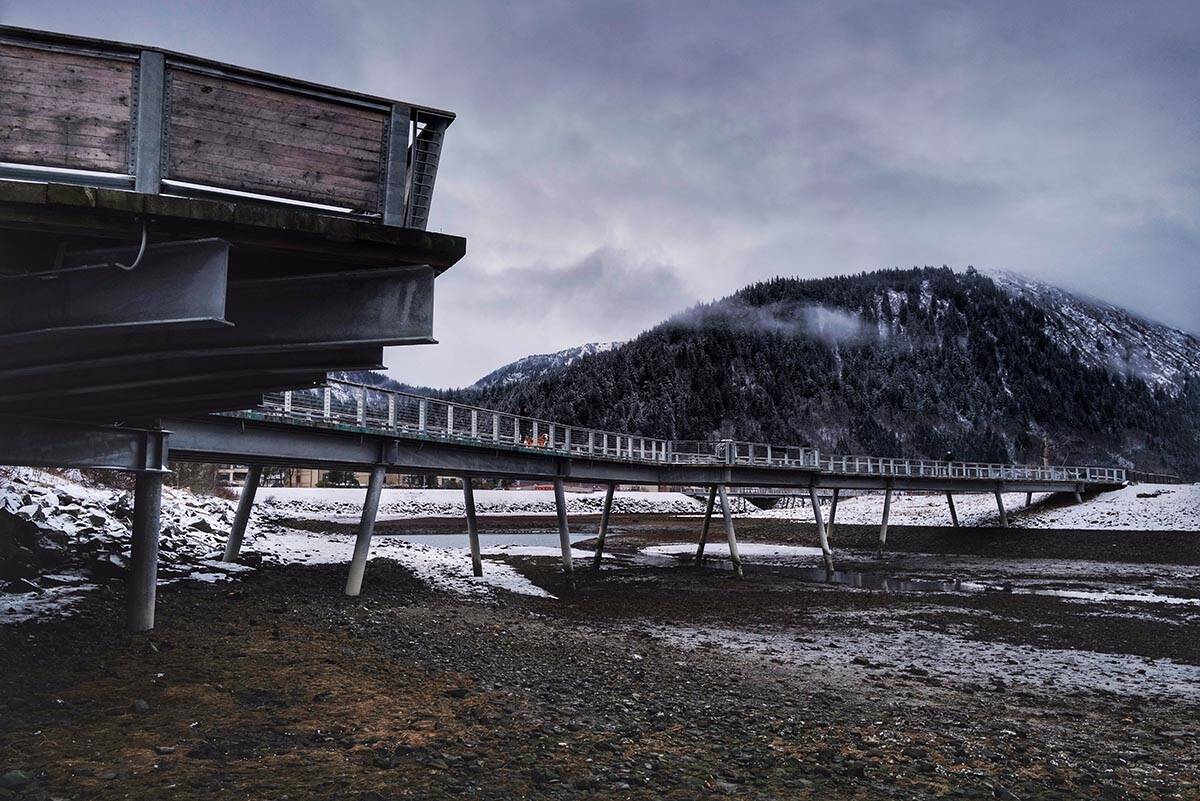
{"x":366,"y":528}
{"x":1029,"y":499}
{"x":887,"y":508}
{"x":472,"y":527}
{"x":832,"y":512}
{"x":143,"y":563}
{"x":730,"y":536}
{"x":822,"y":537}
{"x":604,"y":515}
{"x":564,"y":532}
{"x":241,"y":518}
{"x":1000,"y":506}
{"x":953,"y":511}
{"x":708,"y":513}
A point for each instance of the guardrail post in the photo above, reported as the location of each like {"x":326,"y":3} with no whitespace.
{"x":567,"y":440}
{"x":148,"y":140}
{"x":449,"y":419}
{"x":327,"y":403}
{"x":550,"y":436}
{"x":535,"y":432}
{"x":421,"y":413}
{"x":474,"y":424}
{"x":287,"y":402}
{"x":591,"y":442}
{"x":361,"y":406}
{"x":495,"y":427}
{"x":395,"y":178}
{"x":391,"y":410}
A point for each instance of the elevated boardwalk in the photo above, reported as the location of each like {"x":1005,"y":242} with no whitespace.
{"x":359,"y":427}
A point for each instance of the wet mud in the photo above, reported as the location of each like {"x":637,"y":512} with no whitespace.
{"x":651,"y":678}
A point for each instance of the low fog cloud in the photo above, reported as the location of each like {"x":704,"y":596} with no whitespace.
{"x":828,"y":324}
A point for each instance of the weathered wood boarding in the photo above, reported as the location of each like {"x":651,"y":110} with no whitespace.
{"x":65,"y":109}
{"x":158,"y":121}
{"x":256,"y":139}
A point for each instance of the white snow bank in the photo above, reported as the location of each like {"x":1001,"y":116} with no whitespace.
{"x":1169,"y":507}
{"x":448,"y":569}
{"x":405,"y":504}
{"x":69,"y":531}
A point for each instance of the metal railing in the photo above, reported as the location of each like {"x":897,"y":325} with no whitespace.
{"x":115,"y":115}
{"x":887,"y":466}
{"x":364,"y":407}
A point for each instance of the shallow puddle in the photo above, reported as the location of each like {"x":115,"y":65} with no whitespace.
{"x":886,"y":582}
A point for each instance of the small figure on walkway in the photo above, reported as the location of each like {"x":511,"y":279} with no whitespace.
{"x":526,"y":425}
{"x":543,"y":440}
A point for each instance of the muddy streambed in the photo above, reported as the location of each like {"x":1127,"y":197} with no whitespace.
{"x":964,"y":664}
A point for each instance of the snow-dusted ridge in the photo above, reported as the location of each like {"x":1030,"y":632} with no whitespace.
{"x":530,"y":367}
{"x":1107,"y":336}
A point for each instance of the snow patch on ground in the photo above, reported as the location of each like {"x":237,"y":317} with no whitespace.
{"x":1138,"y":507}
{"x":448,"y":569}
{"x":845,"y":648}
{"x":17,"y":607}
{"x":406,"y":504}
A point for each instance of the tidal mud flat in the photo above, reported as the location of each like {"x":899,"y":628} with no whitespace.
{"x":648,"y":679}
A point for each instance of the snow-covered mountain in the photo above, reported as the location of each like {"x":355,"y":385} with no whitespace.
{"x":529,"y":368}
{"x":916,"y":362}
{"x":1102,"y":335}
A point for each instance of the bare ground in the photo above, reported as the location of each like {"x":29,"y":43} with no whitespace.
{"x":640,"y":682}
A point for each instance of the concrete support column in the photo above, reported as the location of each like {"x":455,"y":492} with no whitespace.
{"x":1029,"y":499}
{"x":730,"y":537}
{"x":887,"y":508}
{"x":245,"y":503}
{"x":708,"y":513}
{"x":564,"y":532}
{"x":143,"y":563}
{"x":953,"y":511}
{"x":833,"y":511}
{"x":1078,"y":497}
{"x":822,"y":537}
{"x":472,"y":526}
{"x":604,"y":515}
{"x":366,"y":527}
{"x":1000,"y":506}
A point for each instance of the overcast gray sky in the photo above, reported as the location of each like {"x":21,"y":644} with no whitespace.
{"x":615,"y":162}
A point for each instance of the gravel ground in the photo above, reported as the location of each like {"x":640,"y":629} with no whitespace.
{"x":643,"y":681}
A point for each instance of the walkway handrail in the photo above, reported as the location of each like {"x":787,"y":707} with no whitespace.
{"x":123,"y":116}
{"x":378,"y":409}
